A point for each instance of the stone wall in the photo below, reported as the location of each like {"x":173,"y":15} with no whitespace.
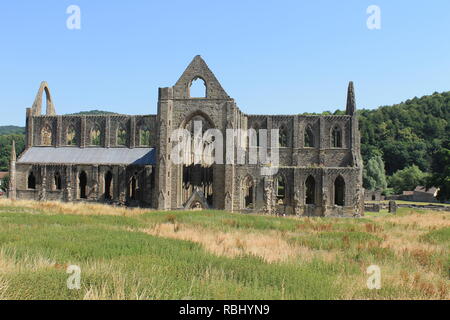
{"x":83,"y":125}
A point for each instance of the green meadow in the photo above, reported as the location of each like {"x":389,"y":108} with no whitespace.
{"x":140,"y":254}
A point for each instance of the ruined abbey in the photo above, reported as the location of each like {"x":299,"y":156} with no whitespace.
{"x":126,"y":159}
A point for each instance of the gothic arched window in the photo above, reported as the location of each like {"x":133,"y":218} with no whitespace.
{"x":95,"y":136}
{"x":46,"y":136}
{"x":197,"y":88}
{"x":71,"y":137}
{"x":121,"y":136}
{"x":309,"y":138}
{"x":283,"y":137}
{"x":336,"y":137}
{"x":144,"y":136}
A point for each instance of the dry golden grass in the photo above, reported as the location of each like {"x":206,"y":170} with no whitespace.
{"x":117,"y":286}
{"x":114,"y":288}
{"x":81,"y":208}
{"x":270,"y":246}
{"x":412,"y":272}
{"x":429,"y":219}
{"x":29,"y":263}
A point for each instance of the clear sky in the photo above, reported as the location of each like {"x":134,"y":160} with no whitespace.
{"x":273,"y":57}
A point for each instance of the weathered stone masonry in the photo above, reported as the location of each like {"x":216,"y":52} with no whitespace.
{"x":125,"y":159}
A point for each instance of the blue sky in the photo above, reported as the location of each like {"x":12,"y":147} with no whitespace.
{"x":274,"y":57}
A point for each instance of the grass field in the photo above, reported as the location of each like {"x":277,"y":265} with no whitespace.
{"x":138,"y":254}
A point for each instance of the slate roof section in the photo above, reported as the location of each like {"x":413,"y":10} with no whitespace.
{"x":89,"y":156}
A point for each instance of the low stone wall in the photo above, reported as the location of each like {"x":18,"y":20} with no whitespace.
{"x":376,"y":207}
{"x":425,"y":206}
{"x":372,"y":207}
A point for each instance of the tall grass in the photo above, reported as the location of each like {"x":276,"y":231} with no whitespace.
{"x":141,"y":254}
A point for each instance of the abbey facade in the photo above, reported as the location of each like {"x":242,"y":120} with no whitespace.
{"x":126,"y":159}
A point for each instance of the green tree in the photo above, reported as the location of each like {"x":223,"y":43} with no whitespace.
{"x":407,"y":179}
{"x":374,"y":176}
{"x":440,"y":177}
{"x":5,"y":184}
{"x":5,"y":148}
{"x":407,"y":133}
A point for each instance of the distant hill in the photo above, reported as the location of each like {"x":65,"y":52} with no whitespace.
{"x":12,"y":130}
{"x":407,"y":133}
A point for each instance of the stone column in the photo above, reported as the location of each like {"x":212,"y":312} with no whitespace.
{"x":29,"y":128}
{"x":95,"y":183}
{"x":148,"y":185}
{"x":322,"y":143}
{"x":325,"y":193}
{"x":122,"y":185}
{"x":108,"y":132}
{"x":68,"y":189}
{"x":59,"y":133}
{"x":83,"y":132}
{"x":43,"y":187}
{"x":163,"y":181}
{"x":12,"y":193}
{"x":133,"y":132}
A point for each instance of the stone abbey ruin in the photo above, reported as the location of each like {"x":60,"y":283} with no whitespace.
{"x":125,"y":159}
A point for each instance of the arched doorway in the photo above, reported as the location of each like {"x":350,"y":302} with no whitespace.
{"x":83,"y":185}
{"x":197,"y":173}
{"x":339,"y":191}
{"x":248,"y":193}
{"x":31,"y":181}
{"x":310,"y":190}
{"x":108,"y":185}
{"x":58,"y":181}
{"x":134,"y":187}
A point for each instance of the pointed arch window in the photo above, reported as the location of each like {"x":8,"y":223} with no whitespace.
{"x":95,"y":136}
{"x":339,"y":191}
{"x":283,"y":137}
{"x":197,"y":88}
{"x":309,"y":138}
{"x":122,"y":136}
{"x":310,"y":190}
{"x":336,"y":137}
{"x":144,"y":136}
{"x":46,"y":135}
{"x":71,"y":137}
